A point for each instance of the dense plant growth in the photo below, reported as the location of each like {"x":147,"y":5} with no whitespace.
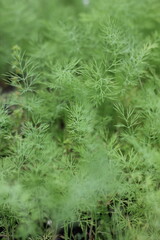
{"x":79,"y":119}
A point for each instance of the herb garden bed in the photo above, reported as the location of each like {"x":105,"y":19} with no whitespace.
{"x":79,"y":120}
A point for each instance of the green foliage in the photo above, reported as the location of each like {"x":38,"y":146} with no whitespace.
{"x":80,"y":130}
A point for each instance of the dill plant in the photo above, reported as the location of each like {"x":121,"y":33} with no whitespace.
{"x":79,"y":133}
